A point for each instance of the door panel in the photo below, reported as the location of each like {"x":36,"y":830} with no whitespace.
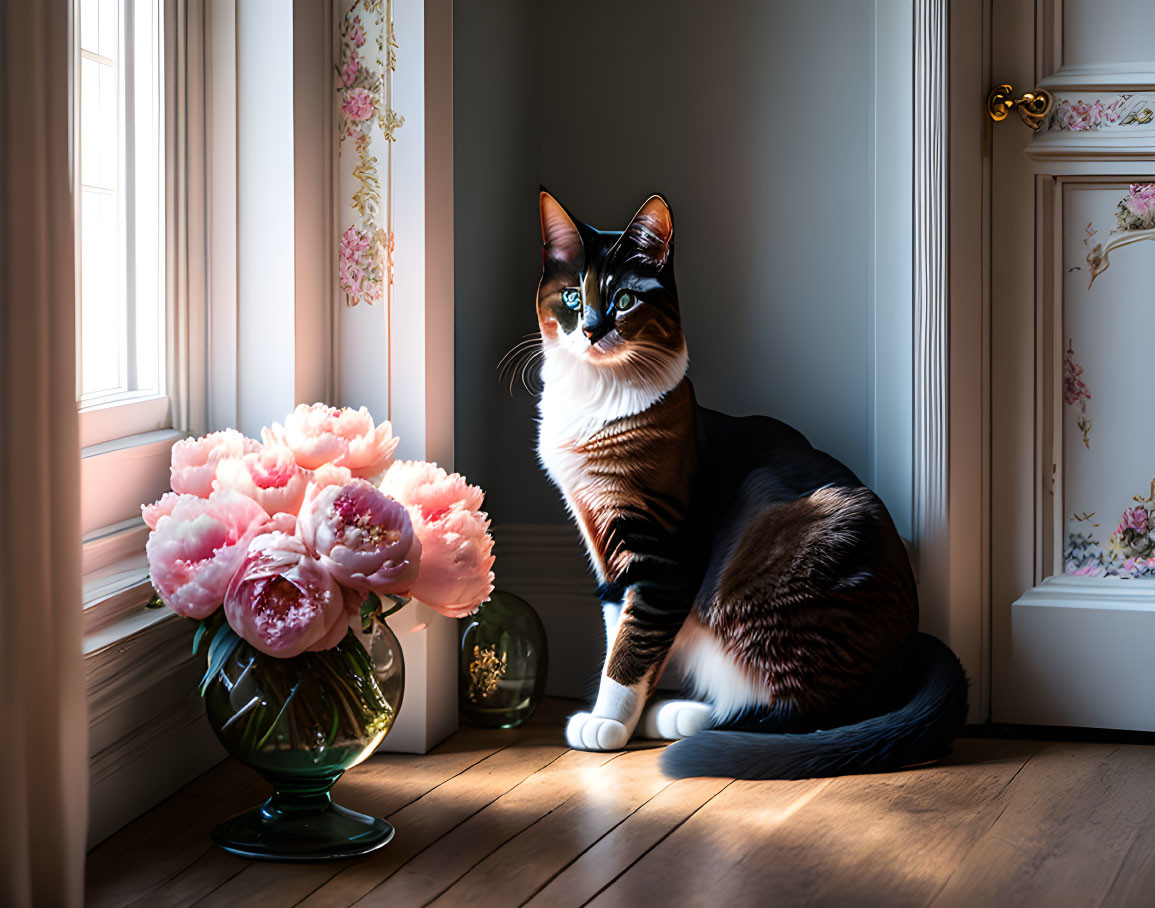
{"x":1073,"y":318}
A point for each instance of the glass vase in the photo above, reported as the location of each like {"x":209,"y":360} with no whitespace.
{"x":301,"y":723}
{"x":384,"y":650}
{"x":503,"y":662}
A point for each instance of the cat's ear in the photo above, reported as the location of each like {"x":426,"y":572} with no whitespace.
{"x":652,"y":230}
{"x":559,"y":234}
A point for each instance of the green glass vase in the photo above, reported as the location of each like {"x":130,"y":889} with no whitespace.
{"x":301,"y":723}
{"x":503,"y":662}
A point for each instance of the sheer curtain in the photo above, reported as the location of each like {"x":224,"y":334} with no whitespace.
{"x":43,"y":744}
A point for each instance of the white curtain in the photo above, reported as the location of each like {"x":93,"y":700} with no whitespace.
{"x":43,"y":721}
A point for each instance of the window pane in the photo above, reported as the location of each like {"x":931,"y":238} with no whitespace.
{"x":149,"y":233}
{"x":108,"y":30}
{"x":89,"y":24}
{"x":122,"y":240}
{"x":102,"y":318}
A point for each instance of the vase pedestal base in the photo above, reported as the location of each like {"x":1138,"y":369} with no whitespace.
{"x":269,"y":833}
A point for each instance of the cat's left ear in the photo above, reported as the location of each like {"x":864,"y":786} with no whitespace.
{"x":652,"y":230}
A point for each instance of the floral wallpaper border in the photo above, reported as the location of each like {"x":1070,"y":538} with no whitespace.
{"x":364,"y":81}
{"x":1074,"y":114}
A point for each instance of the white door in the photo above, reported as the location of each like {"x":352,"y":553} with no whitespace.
{"x":1072,"y":385}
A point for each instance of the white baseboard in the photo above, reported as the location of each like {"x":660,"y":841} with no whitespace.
{"x":1082,"y":655}
{"x":546,"y":565}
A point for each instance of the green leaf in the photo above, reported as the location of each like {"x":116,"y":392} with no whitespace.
{"x":369,"y":608}
{"x":399,"y":602}
{"x":208,"y":626}
{"x":225,"y":641}
{"x":154,"y":601}
{"x":202,"y":626}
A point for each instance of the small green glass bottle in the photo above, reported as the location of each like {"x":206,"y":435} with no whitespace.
{"x":503,"y":662}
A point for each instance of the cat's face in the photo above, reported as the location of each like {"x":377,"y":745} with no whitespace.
{"x":608,"y":298}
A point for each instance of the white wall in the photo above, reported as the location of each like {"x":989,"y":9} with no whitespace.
{"x":757,"y":120}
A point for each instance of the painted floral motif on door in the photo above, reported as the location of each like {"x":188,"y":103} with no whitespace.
{"x":1108,"y":323}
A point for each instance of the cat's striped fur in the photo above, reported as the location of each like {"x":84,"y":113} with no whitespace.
{"x":776,"y":577}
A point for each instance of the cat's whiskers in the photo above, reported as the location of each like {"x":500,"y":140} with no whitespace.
{"x":520,"y":358}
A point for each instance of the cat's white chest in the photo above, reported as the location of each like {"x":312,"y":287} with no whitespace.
{"x":578,"y":400}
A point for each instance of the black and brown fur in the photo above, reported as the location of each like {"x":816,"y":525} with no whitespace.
{"x":736,"y":526}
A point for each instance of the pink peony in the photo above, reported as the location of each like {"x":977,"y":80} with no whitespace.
{"x":319,"y":434}
{"x":270,"y":476}
{"x":196,"y":548}
{"x":162,"y":507}
{"x":195,"y":460}
{"x":363,"y":537}
{"x":457,"y":555}
{"x":283,"y":601}
{"x":329,"y":475}
{"x":358,"y":104}
{"x":428,"y":487}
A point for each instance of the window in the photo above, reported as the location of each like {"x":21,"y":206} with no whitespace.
{"x":123,"y":347}
{"x":121,"y":223}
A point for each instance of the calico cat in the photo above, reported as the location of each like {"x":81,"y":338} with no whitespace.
{"x":772,"y":575}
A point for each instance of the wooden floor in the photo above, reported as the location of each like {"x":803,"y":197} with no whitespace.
{"x":508,"y":817}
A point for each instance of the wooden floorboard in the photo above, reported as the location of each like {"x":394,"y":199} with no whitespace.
{"x":503,"y":818}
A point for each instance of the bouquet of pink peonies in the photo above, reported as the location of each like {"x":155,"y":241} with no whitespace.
{"x":293,"y":537}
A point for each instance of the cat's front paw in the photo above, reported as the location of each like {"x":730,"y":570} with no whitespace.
{"x":585,"y":731}
{"x":674,"y":719}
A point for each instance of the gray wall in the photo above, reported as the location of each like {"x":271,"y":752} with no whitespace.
{"x":772,"y":128}
{"x":755,"y":119}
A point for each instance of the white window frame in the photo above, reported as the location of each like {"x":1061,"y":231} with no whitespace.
{"x":126,"y":438}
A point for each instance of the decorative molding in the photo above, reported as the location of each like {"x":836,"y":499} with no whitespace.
{"x":1101,"y":76}
{"x":1096,"y":593}
{"x":930,"y":528}
{"x":1090,"y":663}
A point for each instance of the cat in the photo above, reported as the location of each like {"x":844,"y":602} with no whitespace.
{"x":771,"y":574}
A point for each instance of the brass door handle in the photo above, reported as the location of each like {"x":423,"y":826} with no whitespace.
{"x":1032,"y":107}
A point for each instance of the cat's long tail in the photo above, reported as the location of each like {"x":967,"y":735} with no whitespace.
{"x":921,"y":729}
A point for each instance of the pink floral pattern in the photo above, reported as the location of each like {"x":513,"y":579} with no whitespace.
{"x":1077,"y":115}
{"x":365,"y":248}
{"x":1076,"y":392}
{"x":1137,"y":210}
{"x":1130,"y":551}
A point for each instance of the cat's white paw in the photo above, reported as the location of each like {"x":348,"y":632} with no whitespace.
{"x":673,"y":719}
{"x":585,"y":731}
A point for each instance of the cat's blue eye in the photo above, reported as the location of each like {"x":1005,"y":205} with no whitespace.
{"x":624,"y":300}
{"x":572,"y":298}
